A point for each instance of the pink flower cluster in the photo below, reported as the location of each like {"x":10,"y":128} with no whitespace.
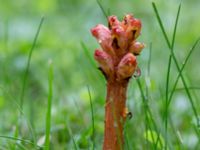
{"x":120,"y":48}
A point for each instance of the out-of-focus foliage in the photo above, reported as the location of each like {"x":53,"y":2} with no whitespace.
{"x":65,"y":39}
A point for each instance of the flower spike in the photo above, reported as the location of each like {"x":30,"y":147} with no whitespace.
{"x":118,"y":63}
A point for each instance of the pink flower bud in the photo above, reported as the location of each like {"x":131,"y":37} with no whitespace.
{"x":127,"y":19}
{"x":136,"y":26}
{"x":136,"y":47}
{"x":126,"y":66}
{"x":113,"y":21}
{"x":132,"y":27}
{"x":119,"y":33}
{"x":103,"y":36}
{"x":104,"y":60}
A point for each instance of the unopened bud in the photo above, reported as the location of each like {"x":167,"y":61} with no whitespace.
{"x":126,"y":20}
{"x":103,"y":36}
{"x":126,"y":66}
{"x":113,"y":21}
{"x":119,"y":33}
{"x":133,"y":28}
{"x":104,"y":60}
{"x":136,"y":47}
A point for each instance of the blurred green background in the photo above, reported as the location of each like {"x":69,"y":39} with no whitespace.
{"x":65,"y":39}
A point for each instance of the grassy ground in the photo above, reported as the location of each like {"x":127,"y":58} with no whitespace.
{"x":46,"y":65}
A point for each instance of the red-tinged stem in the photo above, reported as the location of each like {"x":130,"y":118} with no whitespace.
{"x":115,"y":115}
{"x":117,"y":61}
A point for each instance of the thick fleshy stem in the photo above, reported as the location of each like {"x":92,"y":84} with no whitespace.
{"x":118,"y":62}
{"x":115,"y":115}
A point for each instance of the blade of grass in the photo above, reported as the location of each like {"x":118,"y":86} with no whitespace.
{"x":161,"y":25}
{"x":72,"y":137}
{"x":21,"y":147}
{"x":92,"y":116}
{"x":48,"y":114}
{"x":147,"y":121}
{"x":92,"y":74}
{"x":28,"y":63}
{"x":147,"y":125}
{"x":20,"y":111}
{"x":22,"y":140}
{"x":127,"y":141}
{"x":190,"y":88}
{"x":102,"y":9}
{"x":181,"y":70}
{"x":148,"y":111}
{"x":166,"y":101}
{"x":126,"y":137}
{"x":168,"y":78}
{"x":176,"y":62}
{"x":148,"y":98}
{"x":88,"y":54}
{"x":175,"y":26}
{"x":79,"y":113}
{"x":26,"y":76}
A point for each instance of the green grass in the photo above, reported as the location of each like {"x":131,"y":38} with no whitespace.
{"x":28,"y":63}
{"x":172,"y":56}
{"x":92,"y":116}
{"x":49,"y":105}
{"x":21,"y":140}
{"x":168,"y":76}
{"x":16,"y":134}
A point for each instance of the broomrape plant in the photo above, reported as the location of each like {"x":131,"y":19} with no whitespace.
{"x":117,"y":61}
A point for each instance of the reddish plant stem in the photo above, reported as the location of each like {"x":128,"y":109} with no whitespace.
{"x":115,"y":115}
{"x":118,"y":62}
